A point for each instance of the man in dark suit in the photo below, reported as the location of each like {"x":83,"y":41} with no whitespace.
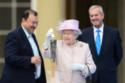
{"x":105,"y":46}
{"x":23,"y":60}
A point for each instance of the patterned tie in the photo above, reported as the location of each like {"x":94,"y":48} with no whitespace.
{"x":98,"y":41}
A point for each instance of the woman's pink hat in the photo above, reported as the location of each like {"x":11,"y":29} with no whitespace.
{"x":71,"y":24}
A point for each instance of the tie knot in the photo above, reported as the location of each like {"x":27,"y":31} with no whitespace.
{"x":98,"y":30}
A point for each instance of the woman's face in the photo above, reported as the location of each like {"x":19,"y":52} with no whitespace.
{"x":69,"y":37}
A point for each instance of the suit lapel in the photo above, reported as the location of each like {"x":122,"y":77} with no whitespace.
{"x":103,"y":40}
{"x":34,"y":37}
{"x":92,"y":41}
{"x":25,"y":40}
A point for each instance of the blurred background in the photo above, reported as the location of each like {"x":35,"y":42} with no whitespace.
{"x":51,"y":12}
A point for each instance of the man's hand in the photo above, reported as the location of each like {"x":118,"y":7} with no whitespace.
{"x":35,"y":60}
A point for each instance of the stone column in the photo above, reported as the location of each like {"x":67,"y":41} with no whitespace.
{"x":51,"y":12}
{"x":121,"y":24}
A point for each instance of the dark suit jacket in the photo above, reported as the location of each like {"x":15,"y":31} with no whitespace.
{"x":18,"y":53}
{"x":110,"y":54}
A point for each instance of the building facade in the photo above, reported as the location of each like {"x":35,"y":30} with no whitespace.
{"x":51,"y":12}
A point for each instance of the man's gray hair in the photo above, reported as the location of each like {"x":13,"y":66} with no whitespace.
{"x":97,"y":6}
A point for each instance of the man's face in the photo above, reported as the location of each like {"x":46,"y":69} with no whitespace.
{"x":96,"y":17}
{"x":31,"y":23}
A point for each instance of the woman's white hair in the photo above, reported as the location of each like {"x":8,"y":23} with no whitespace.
{"x":76,"y":33}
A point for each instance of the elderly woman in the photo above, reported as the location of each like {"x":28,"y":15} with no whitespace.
{"x":73,"y":58}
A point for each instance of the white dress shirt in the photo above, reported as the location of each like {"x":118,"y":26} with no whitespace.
{"x":35,"y":51}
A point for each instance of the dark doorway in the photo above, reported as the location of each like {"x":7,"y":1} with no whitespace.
{"x":80,"y":8}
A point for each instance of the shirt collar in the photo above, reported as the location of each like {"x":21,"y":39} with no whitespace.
{"x":26,"y":32}
{"x":100,"y":28}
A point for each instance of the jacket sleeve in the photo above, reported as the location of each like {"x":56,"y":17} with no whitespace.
{"x":117,"y":48}
{"x":90,"y":66}
{"x":13,"y":55}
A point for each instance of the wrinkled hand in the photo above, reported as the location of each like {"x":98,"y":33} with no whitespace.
{"x":77,"y":67}
{"x":35,"y":60}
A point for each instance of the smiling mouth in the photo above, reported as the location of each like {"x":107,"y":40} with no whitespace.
{"x":95,"y":20}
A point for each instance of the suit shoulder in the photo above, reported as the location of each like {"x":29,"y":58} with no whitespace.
{"x":85,"y":34}
{"x":13,"y":33}
{"x":87,"y":29}
{"x":112,"y":29}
